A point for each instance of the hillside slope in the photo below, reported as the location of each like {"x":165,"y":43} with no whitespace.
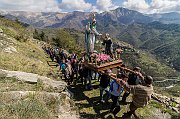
{"x":19,"y":51}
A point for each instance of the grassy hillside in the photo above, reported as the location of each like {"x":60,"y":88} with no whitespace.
{"x":159,"y":39}
{"x":29,"y":56}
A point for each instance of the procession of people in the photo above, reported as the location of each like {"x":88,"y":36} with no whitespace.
{"x":112,"y":84}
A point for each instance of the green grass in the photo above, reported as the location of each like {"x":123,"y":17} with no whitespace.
{"x":29,"y":58}
{"x":29,"y":108}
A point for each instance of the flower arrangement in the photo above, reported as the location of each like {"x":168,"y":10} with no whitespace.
{"x":102,"y":57}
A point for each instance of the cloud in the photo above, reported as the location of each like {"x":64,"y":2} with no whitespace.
{"x":103,"y":5}
{"x":29,"y":5}
{"x":165,"y":5}
{"x":139,"y":5}
{"x":156,"y":6}
{"x":71,"y":5}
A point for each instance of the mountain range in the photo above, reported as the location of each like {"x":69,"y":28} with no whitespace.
{"x":77,"y":19}
{"x":158,"y":34}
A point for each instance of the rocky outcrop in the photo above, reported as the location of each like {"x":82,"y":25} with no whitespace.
{"x":51,"y":92}
{"x":47,"y":83}
{"x":171,"y":102}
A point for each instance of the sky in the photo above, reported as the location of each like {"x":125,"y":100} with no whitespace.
{"x":143,"y":6}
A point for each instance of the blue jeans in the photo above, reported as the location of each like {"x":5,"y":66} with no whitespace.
{"x":102,"y":90}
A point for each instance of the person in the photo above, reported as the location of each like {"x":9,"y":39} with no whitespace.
{"x":133,"y":79}
{"x":69,"y":71}
{"x":62,"y":68}
{"x":86,"y":76}
{"x":121,"y":71}
{"x":75,"y":67}
{"x":115,"y":90}
{"x":56,"y":55}
{"x":104,"y":83}
{"x":108,"y":45}
{"x":141,"y":95}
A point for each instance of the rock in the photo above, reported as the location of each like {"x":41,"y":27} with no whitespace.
{"x":10,"y":49}
{"x":48,"y":84}
{"x":175,"y":109}
{"x":158,"y":114}
{"x":1,"y":31}
{"x":2,"y":73}
{"x":23,"y":76}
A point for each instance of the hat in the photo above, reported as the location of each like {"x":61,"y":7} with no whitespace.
{"x":148,"y":80}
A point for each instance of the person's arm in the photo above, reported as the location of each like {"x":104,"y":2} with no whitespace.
{"x":140,"y":75}
{"x":127,"y":87}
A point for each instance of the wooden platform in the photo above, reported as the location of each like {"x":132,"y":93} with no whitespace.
{"x":104,"y":66}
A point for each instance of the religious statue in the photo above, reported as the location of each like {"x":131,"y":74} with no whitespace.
{"x":90,"y":35}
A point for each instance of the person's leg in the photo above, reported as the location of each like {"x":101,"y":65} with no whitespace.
{"x":102,"y":94}
{"x":85,"y":82}
{"x":95,"y":75}
{"x":133,"y":109}
{"x":99,"y":77}
{"x":125,"y":95}
{"x":108,"y":96}
{"x":117,"y":107}
{"x":113,"y":102}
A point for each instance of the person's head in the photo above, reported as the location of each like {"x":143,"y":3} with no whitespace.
{"x":94,"y":23}
{"x":107,"y":35}
{"x":123,"y":65}
{"x":148,"y":80}
{"x":138,"y":69}
{"x":63,"y":61}
{"x":109,"y":71}
{"x":124,"y":77}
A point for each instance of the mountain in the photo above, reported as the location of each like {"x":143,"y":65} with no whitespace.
{"x":167,"y":18}
{"x":156,"y":38}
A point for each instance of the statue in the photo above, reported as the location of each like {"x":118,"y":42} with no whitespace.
{"x":90,"y":35}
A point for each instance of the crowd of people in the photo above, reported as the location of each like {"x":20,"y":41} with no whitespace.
{"x":73,"y":70}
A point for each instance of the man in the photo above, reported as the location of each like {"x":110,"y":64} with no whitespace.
{"x":104,"y":83}
{"x":133,"y":79}
{"x":108,"y":45}
{"x":141,"y":95}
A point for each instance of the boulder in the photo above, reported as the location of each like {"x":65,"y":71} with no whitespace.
{"x":23,"y":76}
{"x":10,"y":49}
{"x":49,"y":84}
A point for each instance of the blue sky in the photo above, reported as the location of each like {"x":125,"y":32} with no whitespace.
{"x":143,"y":6}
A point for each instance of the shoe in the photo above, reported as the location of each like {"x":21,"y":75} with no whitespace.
{"x":124,"y":102}
{"x":102,"y":101}
{"x":126,"y":116}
